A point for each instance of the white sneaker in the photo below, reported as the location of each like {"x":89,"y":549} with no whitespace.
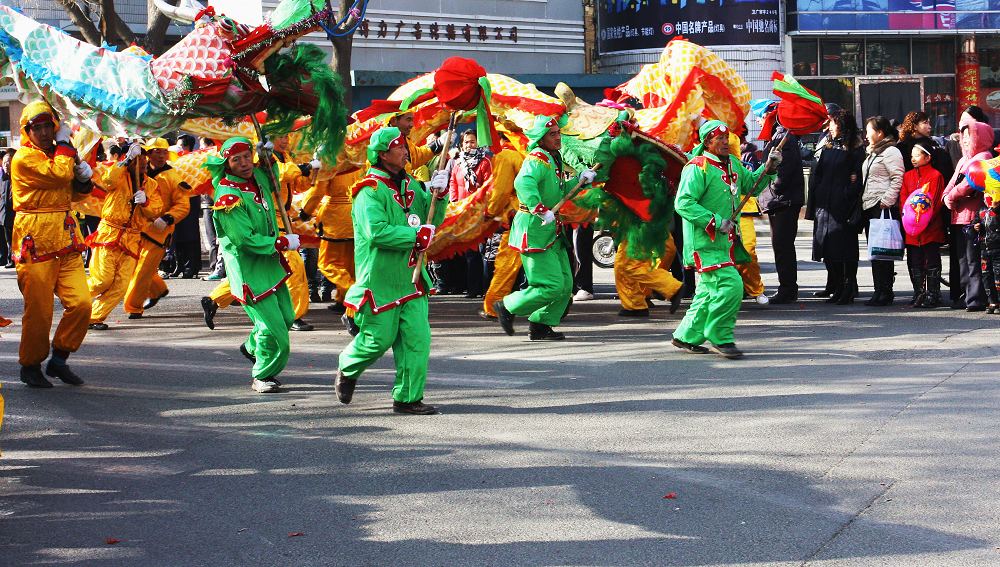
{"x":762,"y":299}
{"x":268,"y":386}
{"x":583,"y":295}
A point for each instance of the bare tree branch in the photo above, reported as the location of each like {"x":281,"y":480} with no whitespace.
{"x":80,"y":19}
{"x":112,"y":27}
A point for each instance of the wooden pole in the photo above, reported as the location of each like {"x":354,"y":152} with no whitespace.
{"x":275,"y":188}
{"x":756,"y":184}
{"x":419,"y":268}
{"x":569,"y":196}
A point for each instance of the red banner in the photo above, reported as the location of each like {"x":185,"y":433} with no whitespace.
{"x":967,"y":80}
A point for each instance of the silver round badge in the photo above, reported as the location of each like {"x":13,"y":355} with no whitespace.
{"x":413,"y":220}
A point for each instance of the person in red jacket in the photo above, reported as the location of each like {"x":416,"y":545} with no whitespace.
{"x":921,"y":196}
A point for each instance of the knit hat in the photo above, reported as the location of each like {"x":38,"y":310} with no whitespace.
{"x":36,"y":113}
{"x":706,"y":131}
{"x":216,"y":165}
{"x":384,"y":140}
{"x":541,"y":127}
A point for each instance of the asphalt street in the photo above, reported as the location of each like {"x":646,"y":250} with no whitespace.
{"x":850,"y":435}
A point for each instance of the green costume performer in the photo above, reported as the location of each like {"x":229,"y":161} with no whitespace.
{"x":251,"y":246}
{"x":539,"y":236}
{"x":389,"y":211}
{"x":710,"y":190}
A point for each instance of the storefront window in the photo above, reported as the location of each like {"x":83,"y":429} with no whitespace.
{"x":934,"y":57}
{"x":888,"y":57}
{"x":939,"y":104}
{"x":837,"y":91}
{"x":805,"y":57}
{"x":989,"y":77}
{"x":842,"y":58}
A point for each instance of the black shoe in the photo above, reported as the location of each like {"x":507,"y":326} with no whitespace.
{"x":344,"y":387}
{"x":505,"y":318}
{"x":325,"y":294}
{"x":135,"y":315}
{"x":876,"y":299}
{"x":189,"y":276}
{"x":689,"y":347}
{"x":98,"y":326}
{"x":729,"y":351}
{"x":974,"y":308}
{"x":152,"y":301}
{"x":783,"y":298}
{"x":675,"y":302}
{"x":337,"y":308}
{"x":246,"y":353}
{"x":300,"y":325}
{"x":209,"y":307}
{"x":540,"y":332}
{"x":314,"y":297}
{"x":9,"y":265}
{"x":487,"y":316}
{"x":62,"y":372}
{"x":32,"y":376}
{"x":351,"y":325}
{"x":847,"y":297}
{"x":414,"y":408}
{"x":633,"y":313}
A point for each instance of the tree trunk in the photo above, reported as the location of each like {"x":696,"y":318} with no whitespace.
{"x":112,"y":27}
{"x":76,"y":15}
{"x":156,"y":27}
{"x":341,"y":59}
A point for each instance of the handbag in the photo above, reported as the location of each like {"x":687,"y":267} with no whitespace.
{"x":885,"y":239}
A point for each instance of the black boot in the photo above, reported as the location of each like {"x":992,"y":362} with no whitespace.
{"x":33,"y":377}
{"x":314,"y":296}
{"x":540,"y":332}
{"x":917,"y":277}
{"x":883,"y":276}
{"x":326,"y":289}
{"x":835,"y":282}
{"x":932,"y":298}
{"x":62,"y":372}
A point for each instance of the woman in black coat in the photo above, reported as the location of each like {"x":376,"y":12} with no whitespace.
{"x":834,"y":196}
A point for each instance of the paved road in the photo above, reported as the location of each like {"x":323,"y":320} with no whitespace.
{"x":849,"y":436}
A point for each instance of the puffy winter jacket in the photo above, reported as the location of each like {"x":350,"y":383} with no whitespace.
{"x":959,"y":196}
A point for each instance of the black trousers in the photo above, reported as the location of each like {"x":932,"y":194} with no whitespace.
{"x":926,"y":257}
{"x":991,"y":275}
{"x":583,"y":242}
{"x":784,"y":227}
{"x":215,"y":264}
{"x":955,"y":290}
{"x":187,"y":254}
{"x":969,"y":265}
{"x":7,"y":249}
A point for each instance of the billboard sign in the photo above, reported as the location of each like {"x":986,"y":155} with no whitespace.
{"x":630,"y":25}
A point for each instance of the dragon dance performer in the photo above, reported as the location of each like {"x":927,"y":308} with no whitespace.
{"x":539,"y":237}
{"x":390,"y":230}
{"x":711,"y":187}
{"x":501,"y":204}
{"x":45,"y":176}
{"x":147,"y":288}
{"x":635,"y":279}
{"x":128,"y":208}
{"x":291,"y":178}
{"x":252,"y":247}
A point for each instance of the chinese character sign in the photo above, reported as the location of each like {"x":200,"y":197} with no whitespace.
{"x":624,"y":25}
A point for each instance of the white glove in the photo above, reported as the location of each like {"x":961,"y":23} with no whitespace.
{"x":134,"y":151}
{"x":160,"y":224}
{"x":293,"y":241}
{"x":548,"y":217}
{"x":439,"y":181}
{"x":315,"y":165}
{"x":64,"y":133}
{"x":587,"y":176}
{"x":83,"y":171}
{"x":773,"y":161}
{"x":139,"y":198}
{"x":727,"y":226}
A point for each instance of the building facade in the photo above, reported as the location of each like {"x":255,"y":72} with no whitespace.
{"x":891,"y":56}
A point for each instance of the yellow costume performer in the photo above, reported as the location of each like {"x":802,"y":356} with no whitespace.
{"x":636,"y":279}
{"x":47,"y":245}
{"x":117,"y":243}
{"x":330,"y":202}
{"x":750,"y":271}
{"x":147,"y":287}
{"x":502,"y":203}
